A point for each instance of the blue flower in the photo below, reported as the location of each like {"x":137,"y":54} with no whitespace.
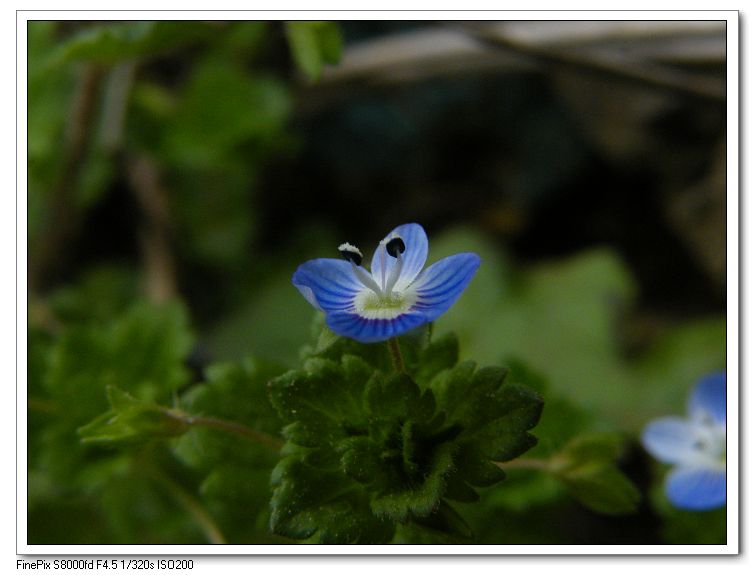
{"x":695,"y":446}
{"x":396,"y":295}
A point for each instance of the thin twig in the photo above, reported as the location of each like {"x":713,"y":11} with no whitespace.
{"x":232,"y":427}
{"x":63,"y":216}
{"x":538,"y":464}
{"x":155,"y":234}
{"x":615,"y":64}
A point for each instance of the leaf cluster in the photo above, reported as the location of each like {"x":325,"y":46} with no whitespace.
{"x":368,"y":448}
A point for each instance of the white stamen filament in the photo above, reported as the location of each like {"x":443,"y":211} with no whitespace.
{"x":382,"y":264}
{"x":379,"y":301}
{"x":366,"y":278}
{"x":395,"y":274}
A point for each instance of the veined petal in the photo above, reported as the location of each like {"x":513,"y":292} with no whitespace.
{"x":328,"y":284}
{"x":709,"y":397}
{"x":697,"y":489}
{"x":671,"y":440}
{"x":349,"y":324}
{"x":414,"y":257}
{"x":440,"y":285}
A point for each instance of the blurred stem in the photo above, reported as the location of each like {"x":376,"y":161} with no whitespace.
{"x":63,"y":215}
{"x":120,"y":81}
{"x":41,"y":405}
{"x":190,"y":504}
{"x":41,"y":315}
{"x":538,"y":464}
{"x":154,"y":236}
{"x":398,"y":360}
{"x":230,"y":427}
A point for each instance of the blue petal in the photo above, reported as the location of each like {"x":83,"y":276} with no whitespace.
{"x":328,"y":284}
{"x":670,"y":440}
{"x":696,"y":489}
{"x":372,"y":330}
{"x":709,"y":396}
{"x":415,"y":256}
{"x":440,"y":285}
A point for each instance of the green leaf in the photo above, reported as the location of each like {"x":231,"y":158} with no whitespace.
{"x":225,"y":383}
{"x":314,"y":44}
{"x":442,"y":353}
{"x":50,"y":93}
{"x":320,"y":403}
{"x":234,"y":468}
{"x":422,"y":499}
{"x":587,"y":467}
{"x":397,"y":397}
{"x":561,"y":418}
{"x":131,"y":420}
{"x":254,"y":109}
{"x":387,"y":449}
{"x":101,"y":294}
{"x":141,"y":352}
{"x":447,"y":522}
{"x":110,"y":43}
{"x":318,"y":502}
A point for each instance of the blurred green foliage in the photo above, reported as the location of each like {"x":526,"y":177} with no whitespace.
{"x":151,"y":416}
{"x":313,"y":45}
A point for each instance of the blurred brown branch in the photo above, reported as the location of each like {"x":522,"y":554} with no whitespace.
{"x":643,"y":52}
{"x":63,"y":217}
{"x":155,"y":233}
{"x":660,"y":54}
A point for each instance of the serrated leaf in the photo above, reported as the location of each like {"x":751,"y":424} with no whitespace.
{"x":449,"y":387}
{"x":361,"y":459}
{"x":319,"y":402}
{"x":418,"y":500}
{"x":441,"y":354}
{"x":141,"y":352}
{"x":131,"y":420}
{"x":225,"y":383}
{"x":235,"y":467}
{"x":561,"y":419}
{"x":386,"y":442}
{"x":447,"y":521}
{"x":504,"y":435}
{"x":319,"y":503}
{"x":395,"y":397}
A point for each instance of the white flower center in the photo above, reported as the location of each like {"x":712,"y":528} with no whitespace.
{"x":371,"y":305}
{"x":710,"y":441}
{"x":379,"y":297}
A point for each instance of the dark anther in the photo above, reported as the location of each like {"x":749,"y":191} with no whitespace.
{"x":350,"y":253}
{"x":395,"y":246}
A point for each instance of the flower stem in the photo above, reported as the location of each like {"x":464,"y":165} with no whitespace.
{"x":398,"y":360}
{"x":230,"y":427}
